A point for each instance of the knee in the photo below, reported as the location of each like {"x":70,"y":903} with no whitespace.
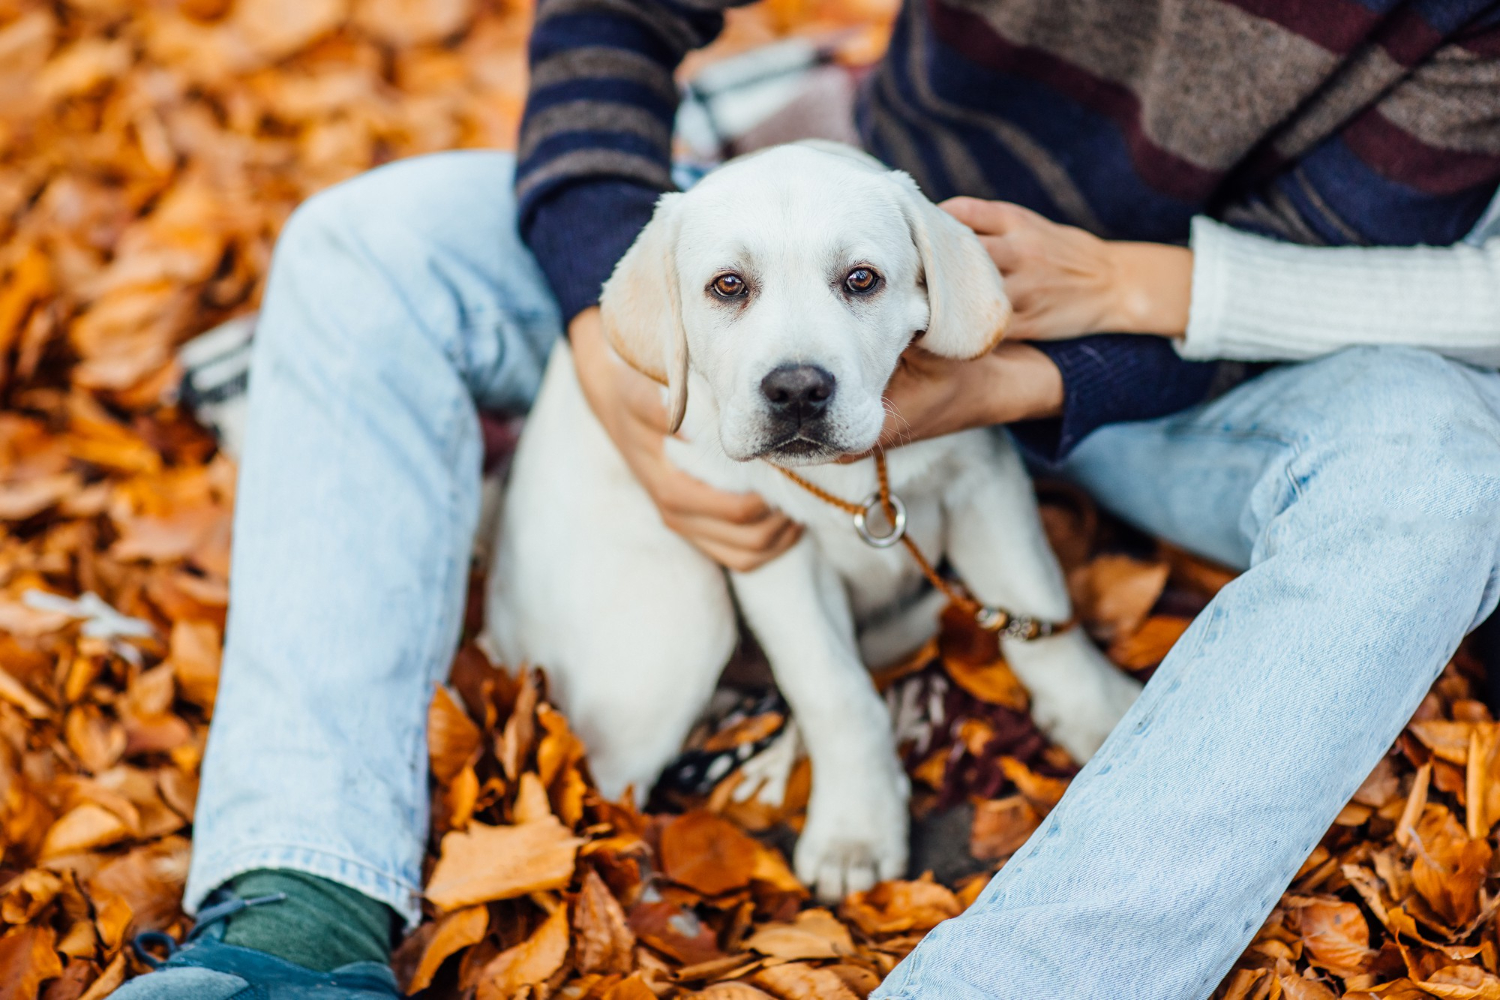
{"x":1409,"y":437}
{"x":395,"y":220}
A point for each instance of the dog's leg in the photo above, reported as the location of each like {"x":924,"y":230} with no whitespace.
{"x":995,"y":541}
{"x":632,"y":624}
{"x":856,"y":819}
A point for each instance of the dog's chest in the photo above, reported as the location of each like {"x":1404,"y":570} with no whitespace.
{"x":876,"y":578}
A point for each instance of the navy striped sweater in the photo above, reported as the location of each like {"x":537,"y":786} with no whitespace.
{"x":1327,"y":122}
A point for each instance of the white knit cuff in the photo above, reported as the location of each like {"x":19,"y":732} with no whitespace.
{"x":1210,"y":292}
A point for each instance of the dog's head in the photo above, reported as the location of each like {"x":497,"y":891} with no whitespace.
{"x":790,"y":281}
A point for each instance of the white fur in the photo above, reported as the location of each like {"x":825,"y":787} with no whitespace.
{"x":634,"y":625}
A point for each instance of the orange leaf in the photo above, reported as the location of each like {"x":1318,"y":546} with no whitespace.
{"x":1001,"y":826}
{"x":529,"y":963}
{"x":452,"y":737}
{"x":484,"y":862}
{"x":892,"y":907}
{"x":1335,"y":934}
{"x":456,"y":931}
{"x":707,"y":853}
{"x":27,"y":959}
{"x":604,"y":940}
{"x":796,"y":981}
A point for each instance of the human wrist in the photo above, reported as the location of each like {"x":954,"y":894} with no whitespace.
{"x":1152,"y":289}
{"x":1023,"y":384}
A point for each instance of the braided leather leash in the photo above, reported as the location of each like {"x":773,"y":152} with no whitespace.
{"x":991,"y":619}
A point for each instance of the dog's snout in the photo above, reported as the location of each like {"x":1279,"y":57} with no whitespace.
{"x":800,"y":391}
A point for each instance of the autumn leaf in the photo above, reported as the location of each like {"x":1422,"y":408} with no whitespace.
{"x":456,"y":931}
{"x":706,"y":853}
{"x":484,"y":862}
{"x":892,"y":907}
{"x":603,"y":940}
{"x":531,"y":962}
{"x":1335,"y":934}
{"x":452,"y":737}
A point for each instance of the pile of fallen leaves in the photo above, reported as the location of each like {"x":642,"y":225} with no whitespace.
{"x":149,"y":152}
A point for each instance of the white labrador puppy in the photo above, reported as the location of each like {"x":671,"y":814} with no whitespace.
{"x":773,"y":300}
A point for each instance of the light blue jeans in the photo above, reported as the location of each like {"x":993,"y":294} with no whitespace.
{"x":1361,"y":494}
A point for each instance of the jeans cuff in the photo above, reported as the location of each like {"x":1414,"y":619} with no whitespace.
{"x":400,"y":894}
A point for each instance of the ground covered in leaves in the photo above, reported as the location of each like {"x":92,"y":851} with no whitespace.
{"x":149,"y":152}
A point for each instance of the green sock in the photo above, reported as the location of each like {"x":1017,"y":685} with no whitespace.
{"x":321,"y":925}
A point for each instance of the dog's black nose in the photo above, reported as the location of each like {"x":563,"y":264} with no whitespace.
{"x":799,"y":391}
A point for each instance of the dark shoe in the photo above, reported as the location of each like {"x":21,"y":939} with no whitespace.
{"x":205,"y":968}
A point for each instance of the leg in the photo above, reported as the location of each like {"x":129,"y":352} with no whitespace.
{"x":1363,"y":490}
{"x":395,"y":302}
{"x":856,"y":818}
{"x":996,"y":542}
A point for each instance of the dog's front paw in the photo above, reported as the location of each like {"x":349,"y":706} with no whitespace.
{"x":853,"y":838}
{"x":1077,"y":696}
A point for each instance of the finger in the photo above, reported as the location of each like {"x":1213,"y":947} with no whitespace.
{"x":684,"y":496}
{"x":757,"y":537}
{"x":1004,"y":252}
{"x":984,"y":217}
{"x":744,"y":558}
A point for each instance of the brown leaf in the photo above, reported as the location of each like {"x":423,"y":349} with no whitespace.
{"x":813,"y":935}
{"x":993,"y":683}
{"x":109,"y":980}
{"x":1449,"y":868}
{"x":484,"y":863}
{"x":413,"y":22}
{"x":194,"y":658}
{"x":603,"y":940}
{"x":632,"y":987}
{"x":732,"y":991}
{"x":1335,"y":934}
{"x":1113,"y":594}
{"x":1447,"y":740}
{"x":27,"y":960}
{"x":97,"y":740}
{"x":1001,"y":826}
{"x":83,"y":828}
{"x":455,"y":932}
{"x":529,"y":963}
{"x":1148,"y":645}
{"x":796,"y":981}
{"x":452,"y":737}
{"x":893,"y":907}
{"x":707,"y":853}
{"x":531,"y":799}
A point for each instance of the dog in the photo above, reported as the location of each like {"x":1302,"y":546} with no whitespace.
{"x":773,"y":300}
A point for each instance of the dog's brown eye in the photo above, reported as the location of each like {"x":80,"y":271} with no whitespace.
{"x":729,"y":285}
{"x":861,"y":279}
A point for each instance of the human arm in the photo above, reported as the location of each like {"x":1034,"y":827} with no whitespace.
{"x":1240,"y":296}
{"x":593,"y":157}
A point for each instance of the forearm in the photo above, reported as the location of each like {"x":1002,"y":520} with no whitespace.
{"x":595,"y":143}
{"x":1257,"y":299}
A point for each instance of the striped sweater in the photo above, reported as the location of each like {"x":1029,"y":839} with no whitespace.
{"x":1335,"y":122}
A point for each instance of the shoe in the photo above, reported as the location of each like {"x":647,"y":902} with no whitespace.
{"x":205,"y":968}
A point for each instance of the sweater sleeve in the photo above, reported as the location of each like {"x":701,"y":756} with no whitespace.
{"x":1258,"y":299}
{"x":595,"y":144}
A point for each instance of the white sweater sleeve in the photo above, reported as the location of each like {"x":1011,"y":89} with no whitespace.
{"x":1257,"y":299}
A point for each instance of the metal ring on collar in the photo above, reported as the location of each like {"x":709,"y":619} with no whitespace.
{"x":861,"y":522}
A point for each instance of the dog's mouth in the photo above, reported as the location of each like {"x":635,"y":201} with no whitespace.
{"x":801,"y":448}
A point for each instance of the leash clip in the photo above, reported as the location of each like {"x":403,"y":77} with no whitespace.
{"x":898,"y":527}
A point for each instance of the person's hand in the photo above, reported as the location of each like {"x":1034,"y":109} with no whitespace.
{"x":1066,"y":282}
{"x":737,"y":530}
{"x":929,"y":396}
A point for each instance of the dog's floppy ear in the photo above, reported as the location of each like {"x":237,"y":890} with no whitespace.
{"x":967,"y":311}
{"x":641,"y":308}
